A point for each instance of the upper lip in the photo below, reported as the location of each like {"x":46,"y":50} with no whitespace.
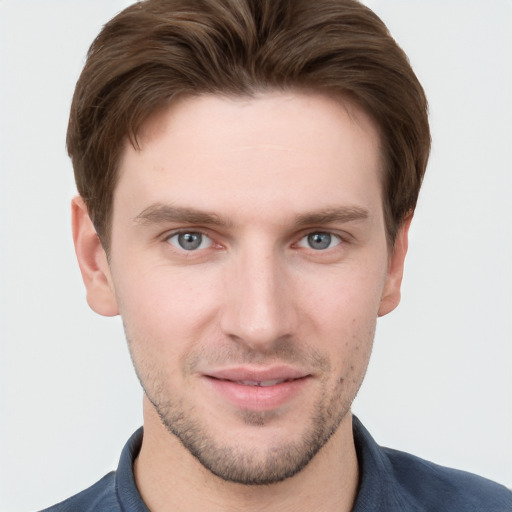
{"x":257,"y":374}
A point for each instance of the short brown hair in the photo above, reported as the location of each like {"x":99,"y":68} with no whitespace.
{"x":157,"y":49}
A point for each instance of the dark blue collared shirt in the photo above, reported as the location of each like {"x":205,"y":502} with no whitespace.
{"x":390,"y":481}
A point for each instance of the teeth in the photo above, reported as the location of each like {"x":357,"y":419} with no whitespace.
{"x":263,"y":383}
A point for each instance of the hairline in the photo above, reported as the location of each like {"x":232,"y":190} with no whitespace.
{"x":347,"y":99}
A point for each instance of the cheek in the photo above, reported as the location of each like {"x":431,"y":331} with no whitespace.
{"x":343,"y":314}
{"x":165,"y":307}
{"x":347,"y":297}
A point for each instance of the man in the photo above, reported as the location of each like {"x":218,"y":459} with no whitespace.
{"x":248,"y":171}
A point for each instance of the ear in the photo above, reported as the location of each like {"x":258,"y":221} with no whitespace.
{"x":391,"y":293}
{"x":92,"y":261}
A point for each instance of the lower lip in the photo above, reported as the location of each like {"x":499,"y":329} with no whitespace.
{"x":258,"y":398}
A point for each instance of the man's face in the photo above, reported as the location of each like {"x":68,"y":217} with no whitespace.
{"x":249,"y":263}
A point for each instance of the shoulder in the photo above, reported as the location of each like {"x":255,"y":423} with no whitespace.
{"x":397,"y":481}
{"x":440,"y":488}
{"x":99,"y":497}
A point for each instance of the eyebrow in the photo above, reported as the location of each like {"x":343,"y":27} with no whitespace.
{"x":330,"y":215}
{"x":163,"y":213}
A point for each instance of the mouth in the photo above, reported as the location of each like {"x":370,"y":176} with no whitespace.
{"x":258,"y":389}
{"x":254,"y":375}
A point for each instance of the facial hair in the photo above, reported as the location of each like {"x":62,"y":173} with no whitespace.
{"x":233,"y":462}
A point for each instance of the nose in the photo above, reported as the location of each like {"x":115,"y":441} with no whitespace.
{"x":258,"y":309}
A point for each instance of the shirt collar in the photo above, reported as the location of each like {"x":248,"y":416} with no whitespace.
{"x":126,"y":491}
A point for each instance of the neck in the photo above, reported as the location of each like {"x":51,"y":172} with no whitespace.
{"x":169,"y":478}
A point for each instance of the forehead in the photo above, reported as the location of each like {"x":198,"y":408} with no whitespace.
{"x":272,"y":150}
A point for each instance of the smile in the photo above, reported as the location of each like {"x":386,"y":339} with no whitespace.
{"x":255,"y":389}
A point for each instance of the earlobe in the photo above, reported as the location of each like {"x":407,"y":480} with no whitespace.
{"x":391,"y":293}
{"x":92,"y":261}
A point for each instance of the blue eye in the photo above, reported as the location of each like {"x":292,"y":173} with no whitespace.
{"x":190,"y":241}
{"x":320,"y":240}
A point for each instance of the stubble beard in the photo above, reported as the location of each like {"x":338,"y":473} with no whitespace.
{"x":232,"y":463}
{"x":264,"y":465}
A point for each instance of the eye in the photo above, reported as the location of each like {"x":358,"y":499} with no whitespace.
{"x":320,"y":240}
{"x":190,"y":241}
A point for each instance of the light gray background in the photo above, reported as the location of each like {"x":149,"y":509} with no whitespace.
{"x":440,"y":381}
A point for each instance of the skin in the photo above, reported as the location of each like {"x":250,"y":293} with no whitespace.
{"x":283,"y":192}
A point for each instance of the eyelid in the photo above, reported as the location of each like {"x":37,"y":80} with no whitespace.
{"x":181,"y":230}
{"x":344,"y":236}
